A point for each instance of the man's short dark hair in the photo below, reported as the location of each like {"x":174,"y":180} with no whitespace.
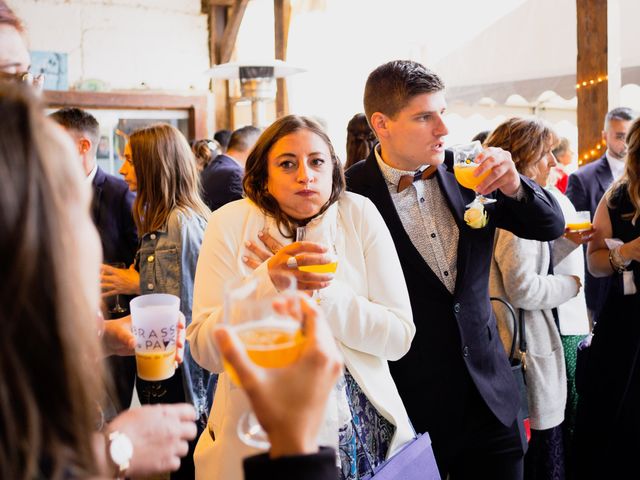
{"x":244,"y":138}
{"x":391,"y":86}
{"x":620,"y":113}
{"x":222,"y":137}
{"x":75,"y":119}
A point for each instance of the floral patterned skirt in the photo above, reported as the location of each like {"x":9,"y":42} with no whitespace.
{"x":365,"y":441}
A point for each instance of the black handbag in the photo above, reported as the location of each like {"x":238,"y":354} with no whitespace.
{"x":518,"y":367}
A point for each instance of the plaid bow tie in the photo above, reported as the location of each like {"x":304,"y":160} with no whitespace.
{"x":407,"y":180}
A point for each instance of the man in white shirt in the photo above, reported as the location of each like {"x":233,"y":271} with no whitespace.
{"x":587,"y":186}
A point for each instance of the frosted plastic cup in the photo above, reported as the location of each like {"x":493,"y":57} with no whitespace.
{"x":154,"y":323}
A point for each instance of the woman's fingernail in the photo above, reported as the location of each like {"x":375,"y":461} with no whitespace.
{"x":245,"y":259}
{"x":260,"y":234}
{"x":247,"y":243}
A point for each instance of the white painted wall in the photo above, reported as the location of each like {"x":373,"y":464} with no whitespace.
{"x":162,"y":44}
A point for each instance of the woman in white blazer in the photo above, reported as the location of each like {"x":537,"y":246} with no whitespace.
{"x":294,"y":178}
{"x":520,"y":273}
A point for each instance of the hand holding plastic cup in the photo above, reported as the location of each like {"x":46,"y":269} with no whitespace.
{"x":154,"y":323}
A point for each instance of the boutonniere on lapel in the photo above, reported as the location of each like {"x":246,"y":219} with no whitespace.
{"x":475,"y":215}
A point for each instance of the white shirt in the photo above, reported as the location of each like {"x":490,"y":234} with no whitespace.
{"x":367,"y":307}
{"x":616,"y":166}
{"x":427,"y":220}
{"x":92,"y":174}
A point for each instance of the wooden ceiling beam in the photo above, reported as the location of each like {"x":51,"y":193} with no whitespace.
{"x":231,"y":30}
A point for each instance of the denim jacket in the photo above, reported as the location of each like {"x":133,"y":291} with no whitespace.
{"x":167,"y":261}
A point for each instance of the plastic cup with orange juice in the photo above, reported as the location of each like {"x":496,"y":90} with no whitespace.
{"x":154,"y":323}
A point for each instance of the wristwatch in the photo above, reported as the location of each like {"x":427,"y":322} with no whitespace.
{"x":120,"y":450}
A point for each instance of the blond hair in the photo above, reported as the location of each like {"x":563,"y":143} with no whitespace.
{"x":167,"y":177}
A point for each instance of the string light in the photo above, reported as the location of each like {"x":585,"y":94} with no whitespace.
{"x":591,"y":153}
{"x":591,"y":81}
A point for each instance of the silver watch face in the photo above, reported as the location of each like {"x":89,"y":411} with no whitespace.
{"x":120,"y":449}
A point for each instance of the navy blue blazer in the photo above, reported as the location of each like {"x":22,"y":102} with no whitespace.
{"x":585,"y":189}
{"x":112,"y":211}
{"x":221,"y":182}
{"x":456,"y":345}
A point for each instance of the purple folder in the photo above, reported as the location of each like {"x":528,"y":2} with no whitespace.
{"x":414,"y":461}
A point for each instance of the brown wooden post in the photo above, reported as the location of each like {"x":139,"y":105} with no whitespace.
{"x":219,"y":87}
{"x":591,"y":74}
{"x":225,"y":17}
{"x":282,"y":16}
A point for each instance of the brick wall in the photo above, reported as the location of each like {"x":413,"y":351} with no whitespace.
{"x":160,"y":44}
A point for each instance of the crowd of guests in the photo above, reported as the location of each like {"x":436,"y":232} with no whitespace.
{"x":400,"y":338}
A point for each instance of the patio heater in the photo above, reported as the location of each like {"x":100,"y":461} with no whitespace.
{"x":257,"y":84}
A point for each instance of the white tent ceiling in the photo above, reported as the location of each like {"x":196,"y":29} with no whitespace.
{"x":531,"y":50}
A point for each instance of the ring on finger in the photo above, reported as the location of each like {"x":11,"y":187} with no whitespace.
{"x":292,"y":262}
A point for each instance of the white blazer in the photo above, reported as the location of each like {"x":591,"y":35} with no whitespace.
{"x":367,"y":307}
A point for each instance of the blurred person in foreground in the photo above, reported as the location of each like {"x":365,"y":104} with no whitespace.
{"x":15,"y":61}
{"x":111,"y":210}
{"x":606,"y":437}
{"x":290,"y":402}
{"x":50,"y":348}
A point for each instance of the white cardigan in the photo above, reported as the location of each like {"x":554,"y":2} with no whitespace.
{"x":569,"y":260}
{"x":519,"y":274}
{"x":367,"y":307}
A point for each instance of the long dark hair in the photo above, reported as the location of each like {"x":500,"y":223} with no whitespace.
{"x":50,"y":373}
{"x":257,"y":173}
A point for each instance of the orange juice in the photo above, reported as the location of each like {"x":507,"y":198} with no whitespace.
{"x":326,"y":268}
{"x":579,"y":226}
{"x":153,"y":366}
{"x":464,"y":175}
{"x":270,"y":344}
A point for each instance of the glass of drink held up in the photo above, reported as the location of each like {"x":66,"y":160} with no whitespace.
{"x":464,"y":168}
{"x":154,"y":323}
{"x":271,"y":338}
{"x":580,"y":221}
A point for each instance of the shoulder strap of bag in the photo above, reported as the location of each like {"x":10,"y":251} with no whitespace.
{"x":517,"y":326}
